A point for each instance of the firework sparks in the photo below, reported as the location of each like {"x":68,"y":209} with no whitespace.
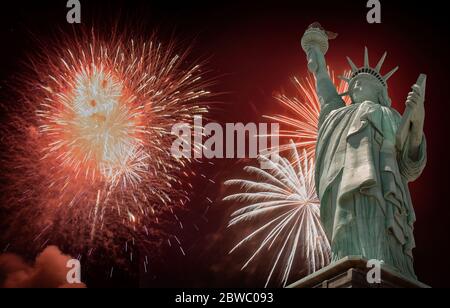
{"x":301,"y":122}
{"x":284,"y":206}
{"x":89,"y":150}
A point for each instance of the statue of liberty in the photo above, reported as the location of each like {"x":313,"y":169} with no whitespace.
{"x":366,"y":155}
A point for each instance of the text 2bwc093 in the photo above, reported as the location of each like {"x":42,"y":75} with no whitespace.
{"x":229,"y":298}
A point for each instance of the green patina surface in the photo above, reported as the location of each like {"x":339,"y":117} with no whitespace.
{"x":361,"y":175}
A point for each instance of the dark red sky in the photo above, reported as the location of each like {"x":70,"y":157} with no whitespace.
{"x":253,"y":49}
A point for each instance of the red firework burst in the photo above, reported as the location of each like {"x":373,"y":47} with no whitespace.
{"x":88,"y":157}
{"x":300,"y":123}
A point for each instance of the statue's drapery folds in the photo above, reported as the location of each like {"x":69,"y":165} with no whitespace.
{"x":362,"y":181}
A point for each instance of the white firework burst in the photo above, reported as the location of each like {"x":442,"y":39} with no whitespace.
{"x":284,"y":207}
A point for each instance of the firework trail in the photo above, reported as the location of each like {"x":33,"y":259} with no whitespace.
{"x":301,"y":122}
{"x":284,"y":210}
{"x":88,"y":159}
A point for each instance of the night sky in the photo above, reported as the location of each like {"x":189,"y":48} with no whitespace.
{"x":252,"y":49}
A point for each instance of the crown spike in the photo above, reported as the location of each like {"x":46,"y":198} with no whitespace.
{"x":380,"y":63}
{"x":352,"y":65}
{"x":366,"y":58}
{"x":389,"y":75}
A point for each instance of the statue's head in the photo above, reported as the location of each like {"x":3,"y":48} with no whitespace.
{"x":367,"y":84}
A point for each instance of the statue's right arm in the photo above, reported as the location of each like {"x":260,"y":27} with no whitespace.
{"x":326,"y":91}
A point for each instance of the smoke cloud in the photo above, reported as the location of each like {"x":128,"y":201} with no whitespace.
{"x":48,"y":271}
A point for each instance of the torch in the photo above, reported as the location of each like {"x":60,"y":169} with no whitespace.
{"x":316,"y":36}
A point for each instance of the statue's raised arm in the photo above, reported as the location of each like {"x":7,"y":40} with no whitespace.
{"x":315,"y":44}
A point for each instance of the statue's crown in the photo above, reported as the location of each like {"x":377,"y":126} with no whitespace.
{"x":366,"y":69}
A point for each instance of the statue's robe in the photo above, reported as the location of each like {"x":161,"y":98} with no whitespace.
{"x":362,"y":182}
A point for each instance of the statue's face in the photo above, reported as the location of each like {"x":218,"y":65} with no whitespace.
{"x":366,"y":88}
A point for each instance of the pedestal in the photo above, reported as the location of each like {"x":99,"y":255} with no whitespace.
{"x":351,"y":272}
